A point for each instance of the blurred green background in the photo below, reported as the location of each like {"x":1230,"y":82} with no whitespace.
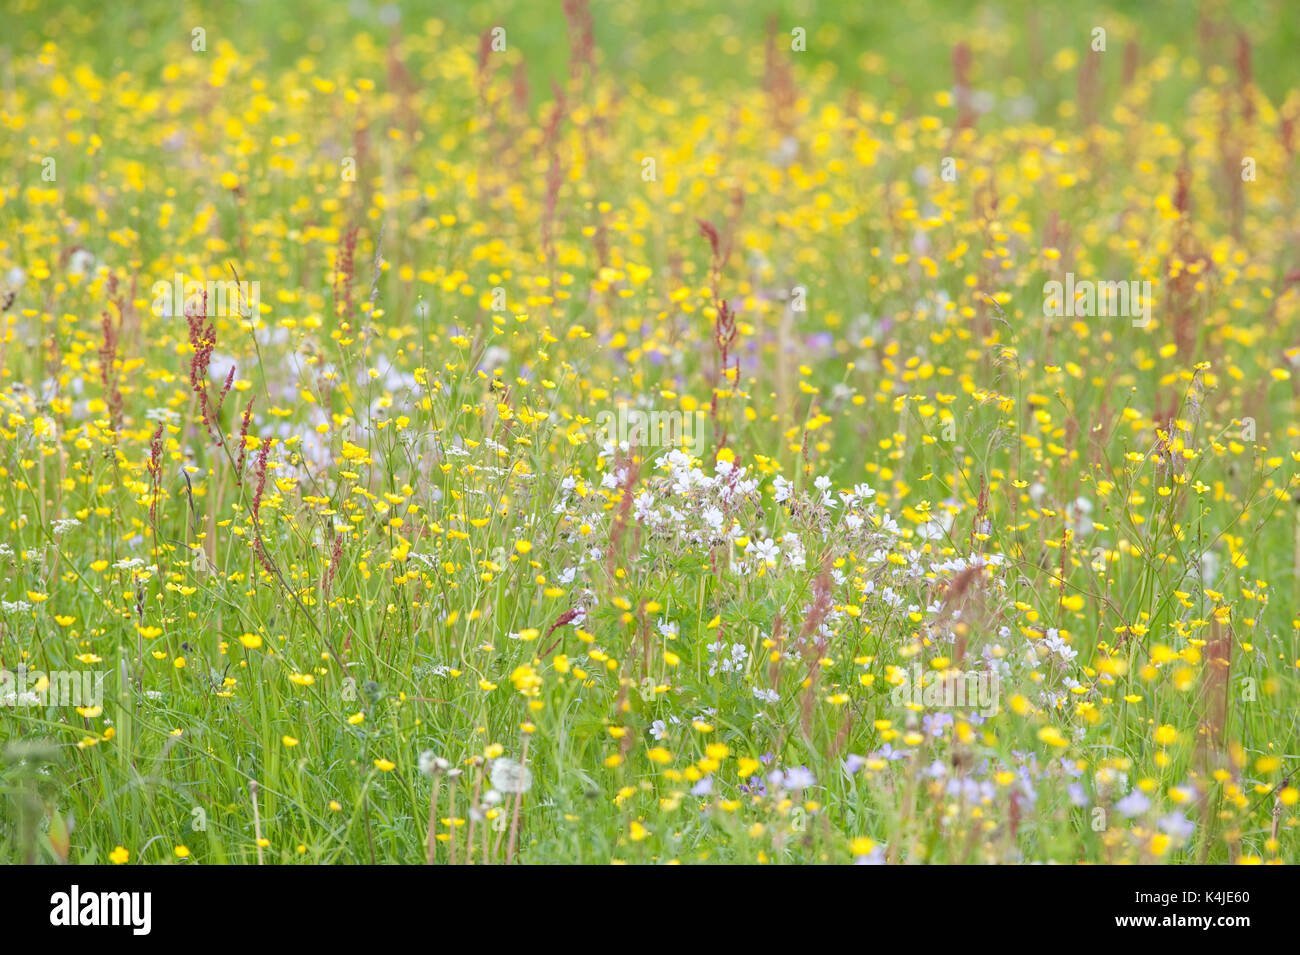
{"x":894,"y":48}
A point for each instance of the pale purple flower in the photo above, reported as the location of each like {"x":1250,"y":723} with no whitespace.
{"x":1135,"y":803}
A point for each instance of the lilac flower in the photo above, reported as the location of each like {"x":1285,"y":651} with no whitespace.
{"x":1135,"y":803}
{"x":799,"y":778}
{"x":1177,"y":825}
{"x":792,"y":779}
{"x":934,"y":723}
{"x":888,"y":752}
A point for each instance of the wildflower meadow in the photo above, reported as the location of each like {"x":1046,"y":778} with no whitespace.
{"x":582,"y":432}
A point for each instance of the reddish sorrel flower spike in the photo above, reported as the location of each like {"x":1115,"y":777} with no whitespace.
{"x":343,"y":275}
{"x":203,"y":339}
{"x":259,"y":471}
{"x":335,"y":554}
{"x":154,"y":467}
{"x":243,"y":441}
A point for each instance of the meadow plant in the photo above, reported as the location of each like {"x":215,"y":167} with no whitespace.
{"x":793,"y":496}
